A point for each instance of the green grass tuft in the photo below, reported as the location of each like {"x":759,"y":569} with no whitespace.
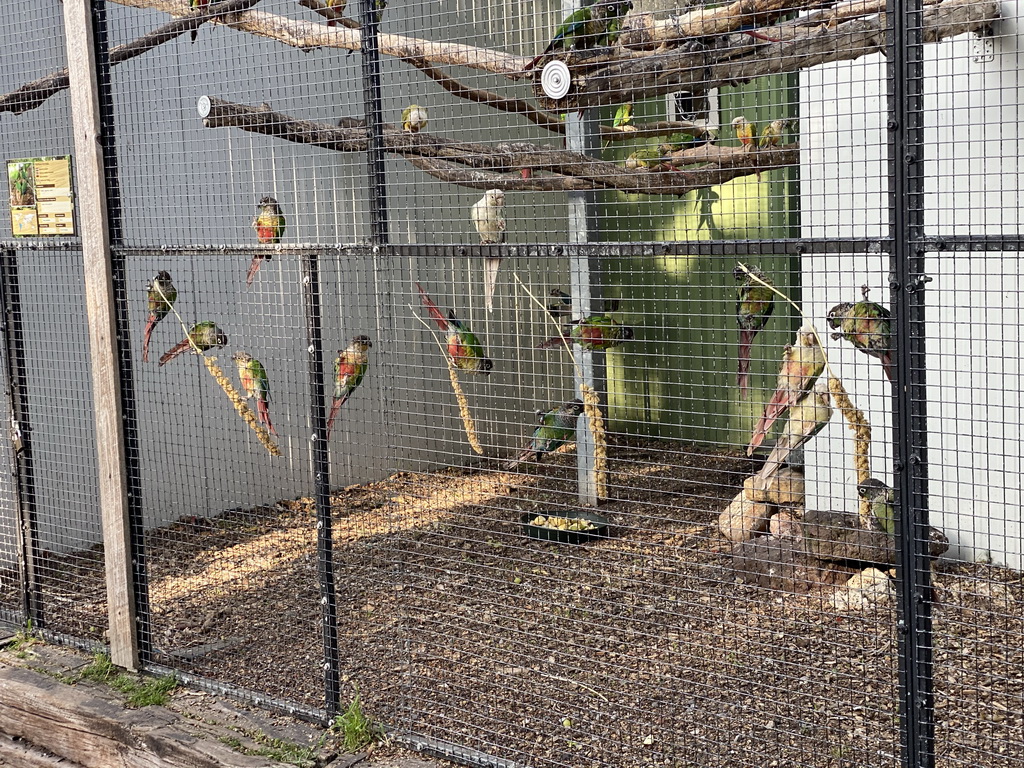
{"x":138,"y":691}
{"x":356,"y":729}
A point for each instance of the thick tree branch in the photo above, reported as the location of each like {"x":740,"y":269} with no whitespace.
{"x":516,"y":106}
{"x":644,"y":31}
{"x":307,"y":35}
{"x":455,"y":174}
{"x":510,"y":157}
{"x":331,"y":14}
{"x":32,"y":95}
{"x":645,"y":76}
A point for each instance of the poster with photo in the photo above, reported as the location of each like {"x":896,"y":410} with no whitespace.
{"x":41,"y":196}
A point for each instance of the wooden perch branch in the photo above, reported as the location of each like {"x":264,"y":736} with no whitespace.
{"x":644,"y":31}
{"x":331,"y":14}
{"x":723,"y":163}
{"x":32,"y":95}
{"x":307,"y":35}
{"x":649,"y":75}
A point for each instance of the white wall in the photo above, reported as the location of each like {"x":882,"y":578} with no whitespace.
{"x":972,"y":146}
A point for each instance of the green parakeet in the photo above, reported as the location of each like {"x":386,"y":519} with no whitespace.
{"x":349,"y":370}
{"x":881,"y":499}
{"x":771,"y":136}
{"x":754,"y":305}
{"x":464,"y":348}
{"x":807,"y":418}
{"x":256,"y":384}
{"x":414,"y":118}
{"x":269,"y":224}
{"x":651,"y":158}
{"x":160,"y":297}
{"x":588,"y":27}
{"x":867,"y":326}
{"x":596,"y":333}
{"x":202,"y":336}
{"x":557,"y":427}
{"x":196,"y":5}
{"x":802,"y":363}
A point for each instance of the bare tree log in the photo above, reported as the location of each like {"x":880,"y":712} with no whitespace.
{"x":32,"y":95}
{"x":644,"y":31}
{"x":509,"y":157}
{"x":657,"y":73}
{"x":474,"y":179}
{"x":307,"y":35}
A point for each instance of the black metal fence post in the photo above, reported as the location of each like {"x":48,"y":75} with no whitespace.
{"x":372,"y":98}
{"x":322,"y":484}
{"x":126,"y":374}
{"x":21,"y":439}
{"x":906,"y":205}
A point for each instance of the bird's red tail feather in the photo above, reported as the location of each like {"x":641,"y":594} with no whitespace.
{"x":146,"y":334}
{"x":743,"y":369}
{"x":433,"y":309}
{"x":254,"y":267}
{"x":887,"y":365}
{"x":335,"y":407}
{"x":264,"y":413}
{"x":174,"y":351}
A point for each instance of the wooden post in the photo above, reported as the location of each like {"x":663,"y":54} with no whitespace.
{"x":93,"y":224}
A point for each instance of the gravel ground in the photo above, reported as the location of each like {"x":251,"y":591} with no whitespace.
{"x":641,"y":649}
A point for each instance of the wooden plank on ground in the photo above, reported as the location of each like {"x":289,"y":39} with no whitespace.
{"x":92,"y":732}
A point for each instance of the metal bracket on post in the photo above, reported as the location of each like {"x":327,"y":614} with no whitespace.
{"x":21,"y":439}
{"x":322,"y":484}
{"x":98,"y":207}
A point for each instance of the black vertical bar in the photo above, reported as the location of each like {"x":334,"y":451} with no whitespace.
{"x":906,"y":204}
{"x":322,"y":484}
{"x":21,"y":439}
{"x":126,"y":373}
{"x":372,"y":98}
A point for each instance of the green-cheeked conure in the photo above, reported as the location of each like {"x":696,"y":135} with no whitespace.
{"x":349,"y":370}
{"x":595,"y":332}
{"x":464,"y":348}
{"x":256,"y":384}
{"x":595,"y":24}
{"x":160,"y":297}
{"x":557,"y":427}
{"x":754,"y":305}
{"x":880,"y":498}
{"x":201,"y":337}
{"x":269,"y":224}
{"x":802,"y":364}
{"x":866,"y":325}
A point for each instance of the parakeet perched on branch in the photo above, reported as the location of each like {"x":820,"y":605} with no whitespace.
{"x":349,"y":370}
{"x":592,"y":25}
{"x":414,"y":118}
{"x":160,"y":297}
{"x":807,"y":418}
{"x":464,"y":348}
{"x":867,"y":326}
{"x":338,"y":6}
{"x":202,"y":336}
{"x":651,"y":158}
{"x":557,"y":427}
{"x":256,"y":384}
{"x":802,"y":364}
{"x":269,"y":224}
{"x":596,"y":333}
{"x":771,"y":136}
{"x":745,"y":131}
{"x":881,"y":498}
{"x":754,"y":305}
{"x":489,"y":220}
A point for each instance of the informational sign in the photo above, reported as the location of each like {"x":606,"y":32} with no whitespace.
{"x":41,"y":197}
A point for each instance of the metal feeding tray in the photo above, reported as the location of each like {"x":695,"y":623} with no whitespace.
{"x":598,"y":526}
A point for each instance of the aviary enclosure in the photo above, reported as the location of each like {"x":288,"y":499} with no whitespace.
{"x":619,"y":384}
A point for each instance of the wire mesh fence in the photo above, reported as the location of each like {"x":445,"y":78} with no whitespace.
{"x":619,"y":384}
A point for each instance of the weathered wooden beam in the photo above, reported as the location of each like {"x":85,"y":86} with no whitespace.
{"x":99,"y":295}
{"x":94,"y":732}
